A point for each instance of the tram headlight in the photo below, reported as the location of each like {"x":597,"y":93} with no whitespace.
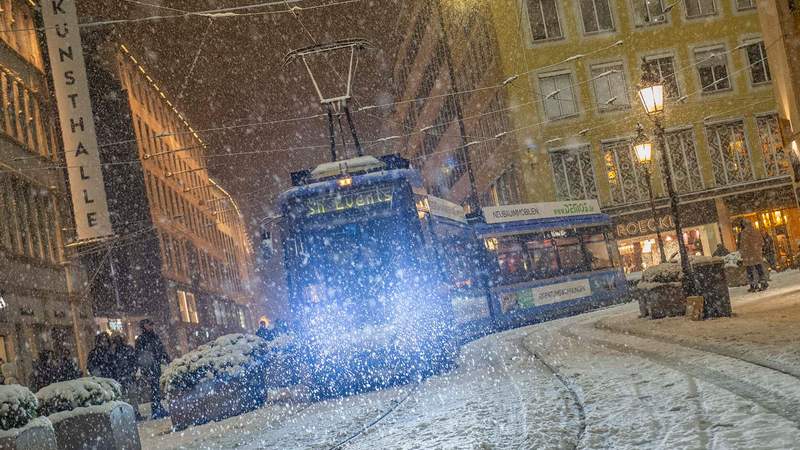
{"x":345,"y":182}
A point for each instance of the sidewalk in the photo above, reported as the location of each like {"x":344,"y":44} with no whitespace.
{"x":764,"y":328}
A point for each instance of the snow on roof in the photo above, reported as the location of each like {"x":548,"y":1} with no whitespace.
{"x":351,"y":166}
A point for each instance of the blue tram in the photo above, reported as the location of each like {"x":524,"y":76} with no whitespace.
{"x":373,"y":264}
{"x":552,"y":259}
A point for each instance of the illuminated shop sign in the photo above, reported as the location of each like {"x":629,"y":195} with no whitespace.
{"x":348,"y":202}
{"x":530,"y":211}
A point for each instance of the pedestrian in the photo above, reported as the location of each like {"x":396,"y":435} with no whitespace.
{"x":751,"y":248}
{"x":720,"y":251}
{"x":99,"y":362}
{"x":123,"y":357}
{"x":150,"y":354}
{"x":263,"y":332}
{"x":769,"y":251}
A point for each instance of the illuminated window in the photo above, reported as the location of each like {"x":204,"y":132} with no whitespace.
{"x":188,"y":307}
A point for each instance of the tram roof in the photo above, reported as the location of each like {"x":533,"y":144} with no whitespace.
{"x":368,"y":179}
{"x":539,"y":225}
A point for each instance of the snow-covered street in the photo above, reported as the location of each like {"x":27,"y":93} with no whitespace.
{"x":601,"y":380}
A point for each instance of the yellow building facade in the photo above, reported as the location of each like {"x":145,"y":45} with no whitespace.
{"x":575,"y":110}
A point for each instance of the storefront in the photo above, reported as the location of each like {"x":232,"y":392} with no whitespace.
{"x":637,"y":239}
{"x":709,"y":222}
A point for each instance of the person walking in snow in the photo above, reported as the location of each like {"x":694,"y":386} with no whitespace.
{"x":100,"y":362}
{"x":123,"y":357}
{"x":769,"y":251}
{"x":150,"y":354}
{"x":263,"y":331}
{"x":751,"y":248}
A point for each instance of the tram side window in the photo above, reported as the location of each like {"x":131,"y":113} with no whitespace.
{"x":544,"y":257}
{"x":597,"y":252}
{"x":571,"y":256}
{"x":512,"y":261}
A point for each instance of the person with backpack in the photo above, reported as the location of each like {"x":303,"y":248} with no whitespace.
{"x":150,"y":354}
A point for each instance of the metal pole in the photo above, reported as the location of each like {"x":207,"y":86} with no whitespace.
{"x":689,"y":282}
{"x":331,"y":132}
{"x":655,"y":214}
{"x":359,"y":150}
{"x":474,"y":203}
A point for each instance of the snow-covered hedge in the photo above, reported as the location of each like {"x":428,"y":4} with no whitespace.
{"x":80,"y":393}
{"x":732,"y":259}
{"x":228,"y":357}
{"x":18,"y":406}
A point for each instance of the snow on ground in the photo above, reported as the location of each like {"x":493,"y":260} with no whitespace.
{"x":640,"y":384}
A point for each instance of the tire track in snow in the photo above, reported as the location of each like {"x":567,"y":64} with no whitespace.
{"x":770,"y":401}
{"x":577,"y":402}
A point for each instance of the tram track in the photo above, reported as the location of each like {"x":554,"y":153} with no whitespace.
{"x":579,"y":407}
{"x":395,"y":404}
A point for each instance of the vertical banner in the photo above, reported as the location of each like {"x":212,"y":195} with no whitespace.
{"x":77,"y":124}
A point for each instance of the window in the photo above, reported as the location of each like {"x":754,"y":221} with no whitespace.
{"x":559,"y":95}
{"x":596,"y":16}
{"x":573,"y":174}
{"x":759,"y":66}
{"x":729,"y":153}
{"x":626,"y":176}
{"x":649,"y":12}
{"x":776,"y":161}
{"x":665,"y":67}
{"x":610,"y":88}
{"x":700,"y":8}
{"x":506,"y":190}
{"x":683,"y":160}
{"x":188,"y":307}
{"x":712,"y":66}
{"x":742,"y":5}
{"x":544,"y":22}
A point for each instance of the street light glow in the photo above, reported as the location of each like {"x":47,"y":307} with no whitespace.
{"x":644,"y":152}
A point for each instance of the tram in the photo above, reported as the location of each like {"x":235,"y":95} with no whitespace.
{"x":373,"y":265}
{"x":552,"y":259}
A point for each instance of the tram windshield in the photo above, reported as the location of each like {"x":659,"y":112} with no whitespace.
{"x":542,"y":255}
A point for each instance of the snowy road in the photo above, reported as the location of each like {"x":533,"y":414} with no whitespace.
{"x":595,"y":386}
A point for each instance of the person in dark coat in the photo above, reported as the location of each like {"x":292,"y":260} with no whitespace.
{"x":769,"y":251}
{"x":263,"y":331}
{"x":100,"y":362}
{"x":49,"y":369}
{"x":125,"y":366}
{"x":720,"y":251}
{"x":150,"y":354}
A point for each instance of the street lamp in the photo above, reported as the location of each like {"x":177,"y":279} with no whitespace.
{"x":644,"y":153}
{"x":651,"y":93}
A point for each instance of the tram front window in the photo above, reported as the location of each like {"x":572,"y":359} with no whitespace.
{"x":349,"y":274}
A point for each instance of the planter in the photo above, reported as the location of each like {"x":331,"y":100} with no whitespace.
{"x":214,"y":400}
{"x":736,"y":276}
{"x":659,"y":300}
{"x":38,"y":434}
{"x":111,"y":426}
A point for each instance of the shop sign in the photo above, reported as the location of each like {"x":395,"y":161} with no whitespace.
{"x":71,"y":87}
{"x":449,"y":210}
{"x":547,"y":210}
{"x":643,"y":227}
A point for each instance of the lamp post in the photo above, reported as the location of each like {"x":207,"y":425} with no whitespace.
{"x":651,"y":93}
{"x":644,"y":153}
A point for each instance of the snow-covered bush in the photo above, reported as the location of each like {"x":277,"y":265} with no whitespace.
{"x":83,"y":392}
{"x":229,"y":357}
{"x":663,"y":273}
{"x":18,"y":406}
{"x":733,"y":259}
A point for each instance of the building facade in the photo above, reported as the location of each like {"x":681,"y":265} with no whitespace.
{"x":44,"y":305}
{"x":575,"y":109}
{"x":449,"y":52}
{"x":181,"y":255}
